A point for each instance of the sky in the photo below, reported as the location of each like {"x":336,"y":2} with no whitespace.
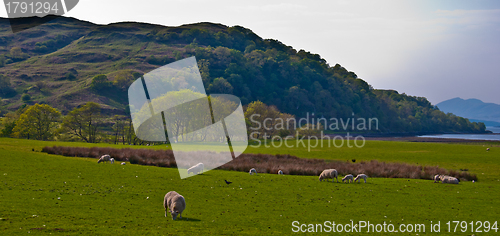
{"x":438,"y":49}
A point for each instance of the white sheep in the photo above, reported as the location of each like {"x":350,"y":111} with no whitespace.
{"x":445,"y":179}
{"x":123,"y":163}
{"x":280,"y":172}
{"x":360,"y":176}
{"x":252,"y":171}
{"x":487,"y":149}
{"x":349,"y":178}
{"x":103,"y":158}
{"x":196,"y":169}
{"x":174,"y":203}
{"x":329,"y":174}
{"x":112,"y":160}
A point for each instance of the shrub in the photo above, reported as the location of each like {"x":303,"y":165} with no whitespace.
{"x":26,"y":98}
{"x":134,"y":160}
{"x":70,"y":76}
{"x":100,"y":82}
{"x":291,"y":165}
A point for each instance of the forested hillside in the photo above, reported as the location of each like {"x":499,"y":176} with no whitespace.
{"x":67,"y":63}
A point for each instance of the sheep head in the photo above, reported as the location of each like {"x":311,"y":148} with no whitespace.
{"x":436,"y":178}
{"x":174,"y":213}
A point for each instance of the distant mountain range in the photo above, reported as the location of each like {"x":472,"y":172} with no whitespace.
{"x":473,"y":109}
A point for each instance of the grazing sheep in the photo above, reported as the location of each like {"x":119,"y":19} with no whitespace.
{"x":252,"y":171}
{"x":436,"y":178}
{"x":349,"y":178}
{"x":487,"y":149}
{"x":445,"y":179}
{"x":104,"y":158}
{"x":280,"y":172}
{"x":112,"y":160}
{"x":175,"y":202}
{"x":360,"y":176}
{"x":196,"y":169}
{"x":329,"y":174}
{"x":123,"y":163}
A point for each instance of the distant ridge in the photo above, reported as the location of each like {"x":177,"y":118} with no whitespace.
{"x":473,"y":109}
{"x":56,"y":63}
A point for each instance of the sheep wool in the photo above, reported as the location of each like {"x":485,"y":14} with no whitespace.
{"x":252,"y":171}
{"x":361,"y":176}
{"x":348,"y":178}
{"x":112,"y":160}
{"x":104,"y":158}
{"x":448,"y":179}
{"x":329,"y":174}
{"x":196,"y":169}
{"x":280,"y":172}
{"x":174,"y":203}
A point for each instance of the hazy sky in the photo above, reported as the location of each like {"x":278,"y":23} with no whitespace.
{"x":436,"y":49}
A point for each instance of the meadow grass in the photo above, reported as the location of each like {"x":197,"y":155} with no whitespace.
{"x":50,"y":194}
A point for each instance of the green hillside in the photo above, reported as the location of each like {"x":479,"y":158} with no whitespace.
{"x":55,"y":63}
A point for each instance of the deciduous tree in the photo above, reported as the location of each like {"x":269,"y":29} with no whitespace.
{"x":84,"y":122}
{"x":38,"y":122}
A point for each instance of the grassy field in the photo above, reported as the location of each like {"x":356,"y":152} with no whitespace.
{"x":47,"y":194}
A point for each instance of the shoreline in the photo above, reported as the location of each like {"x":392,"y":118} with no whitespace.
{"x":404,"y":134}
{"x":430,"y":140}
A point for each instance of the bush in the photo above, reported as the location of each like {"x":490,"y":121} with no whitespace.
{"x":26,"y":98}
{"x":100,"y":82}
{"x":5,"y":87}
{"x":40,"y":84}
{"x":284,"y":133}
{"x":269,"y":163}
{"x":134,"y":160}
{"x":2,"y":60}
{"x":70,"y":76}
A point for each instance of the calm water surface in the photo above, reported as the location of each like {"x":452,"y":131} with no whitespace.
{"x":495,"y":136}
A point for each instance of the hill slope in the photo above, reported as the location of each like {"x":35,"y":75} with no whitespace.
{"x":472,"y":109}
{"x":55,"y":63}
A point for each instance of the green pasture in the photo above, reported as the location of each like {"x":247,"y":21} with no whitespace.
{"x":49,"y":194}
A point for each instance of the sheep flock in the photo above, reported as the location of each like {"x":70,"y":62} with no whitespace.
{"x":175,"y":204}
